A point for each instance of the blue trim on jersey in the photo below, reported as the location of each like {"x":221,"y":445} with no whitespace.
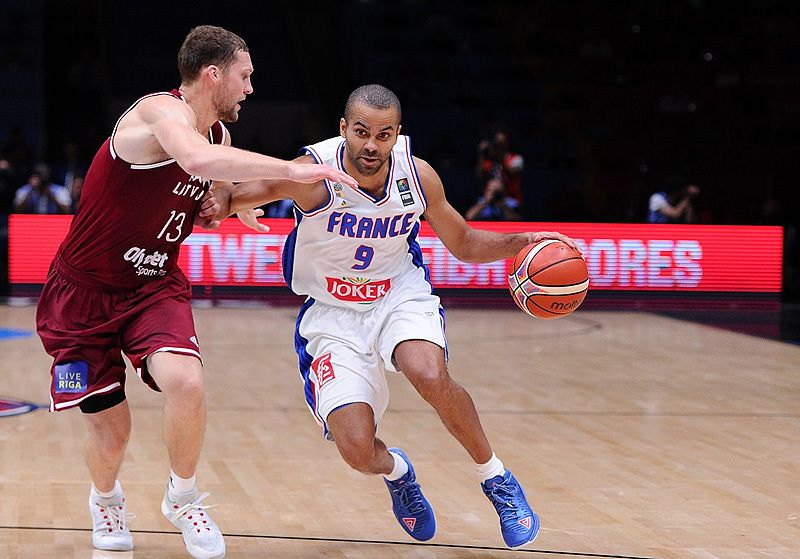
{"x":416,"y":254}
{"x":416,"y":258}
{"x":416,"y":173}
{"x":444,"y":333}
{"x":287,"y":260}
{"x":308,"y":151}
{"x":304,"y":360}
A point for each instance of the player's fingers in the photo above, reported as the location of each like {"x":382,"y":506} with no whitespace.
{"x":571,"y":243}
{"x":259,"y":213}
{"x":344,"y":178}
{"x":209,"y":209}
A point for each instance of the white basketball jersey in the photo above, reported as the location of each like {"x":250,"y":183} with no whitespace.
{"x":352,"y":250}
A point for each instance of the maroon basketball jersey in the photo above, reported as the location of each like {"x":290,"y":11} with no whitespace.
{"x":132,"y":218}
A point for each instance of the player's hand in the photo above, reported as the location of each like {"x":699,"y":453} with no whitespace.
{"x":209,"y":210}
{"x":250,"y":218}
{"x":309,"y":174}
{"x":544,"y":235}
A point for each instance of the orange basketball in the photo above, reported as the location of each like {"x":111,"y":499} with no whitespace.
{"x":548,"y":279}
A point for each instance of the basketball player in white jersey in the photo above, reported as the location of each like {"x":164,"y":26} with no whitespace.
{"x":370,"y":307}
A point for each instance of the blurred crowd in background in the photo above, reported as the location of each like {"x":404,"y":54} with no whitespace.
{"x":636,"y":111}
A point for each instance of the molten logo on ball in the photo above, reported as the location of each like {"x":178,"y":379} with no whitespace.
{"x":548,"y":279}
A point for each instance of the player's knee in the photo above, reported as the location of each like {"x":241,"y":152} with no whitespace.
{"x":359,"y":455}
{"x":112,"y":441}
{"x":186,"y":389}
{"x":431,"y":382}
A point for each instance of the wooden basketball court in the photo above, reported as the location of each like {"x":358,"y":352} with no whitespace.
{"x":635,"y":435}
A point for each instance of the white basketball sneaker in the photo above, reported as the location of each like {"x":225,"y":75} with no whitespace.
{"x":200,"y":534}
{"x":109,"y":522}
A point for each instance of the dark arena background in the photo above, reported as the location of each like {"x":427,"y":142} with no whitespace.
{"x":677,"y":373}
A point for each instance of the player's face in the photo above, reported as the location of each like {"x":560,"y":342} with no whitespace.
{"x":370,"y":135}
{"x":233,"y":87}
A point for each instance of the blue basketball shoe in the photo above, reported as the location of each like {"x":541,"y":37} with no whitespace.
{"x":411,"y":509}
{"x":518,"y":523}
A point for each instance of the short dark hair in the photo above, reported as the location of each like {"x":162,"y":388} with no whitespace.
{"x":206,"y":45}
{"x":375,"y":96}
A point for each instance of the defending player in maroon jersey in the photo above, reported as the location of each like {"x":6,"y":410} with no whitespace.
{"x":114,"y":287}
{"x":110,"y":240}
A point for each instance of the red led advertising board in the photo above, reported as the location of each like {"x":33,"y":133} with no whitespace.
{"x":619,"y":256}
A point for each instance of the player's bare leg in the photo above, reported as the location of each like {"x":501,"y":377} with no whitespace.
{"x":109,"y":432}
{"x":423,"y":364}
{"x":353,"y":429}
{"x":180,"y":378}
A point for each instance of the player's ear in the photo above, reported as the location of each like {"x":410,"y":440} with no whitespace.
{"x":399,"y":128}
{"x":213,"y":72}
{"x":342,"y":127}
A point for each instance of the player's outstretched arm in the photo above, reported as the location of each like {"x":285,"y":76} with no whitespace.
{"x":468,"y":244}
{"x":171,"y":122}
{"x":234,"y":198}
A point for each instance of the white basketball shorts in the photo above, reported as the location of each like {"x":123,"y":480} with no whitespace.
{"x":344,"y":354}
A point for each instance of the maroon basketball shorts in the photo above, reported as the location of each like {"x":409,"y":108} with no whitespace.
{"x":87,"y":329}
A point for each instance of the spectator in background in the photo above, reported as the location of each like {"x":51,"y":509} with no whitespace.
{"x":75,"y":192}
{"x":17,"y":154}
{"x":674,"y":205}
{"x":41,"y":196}
{"x":70,"y":171}
{"x":495,"y":204}
{"x":7,"y":189}
{"x":495,"y":160}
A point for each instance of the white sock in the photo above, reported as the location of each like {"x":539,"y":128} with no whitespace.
{"x":400,"y":468}
{"x":179,"y":485}
{"x":117,"y":490}
{"x":494,"y":467}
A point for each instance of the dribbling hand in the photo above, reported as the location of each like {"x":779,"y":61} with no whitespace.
{"x":542,"y":235}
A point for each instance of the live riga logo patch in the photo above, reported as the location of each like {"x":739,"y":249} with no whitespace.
{"x":10,"y":406}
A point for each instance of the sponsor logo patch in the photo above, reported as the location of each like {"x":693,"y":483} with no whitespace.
{"x":71,"y":378}
{"x":323,"y":369}
{"x":358,"y":290}
{"x":402,"y":185}
{"x":405,"y":192}
{"x":410,"y":522}
{"x":526,"y":522}
{"x":147,"y":264}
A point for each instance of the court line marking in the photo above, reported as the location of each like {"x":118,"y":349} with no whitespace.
{"x":431,"y":411}
{"x":356,"y":541}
